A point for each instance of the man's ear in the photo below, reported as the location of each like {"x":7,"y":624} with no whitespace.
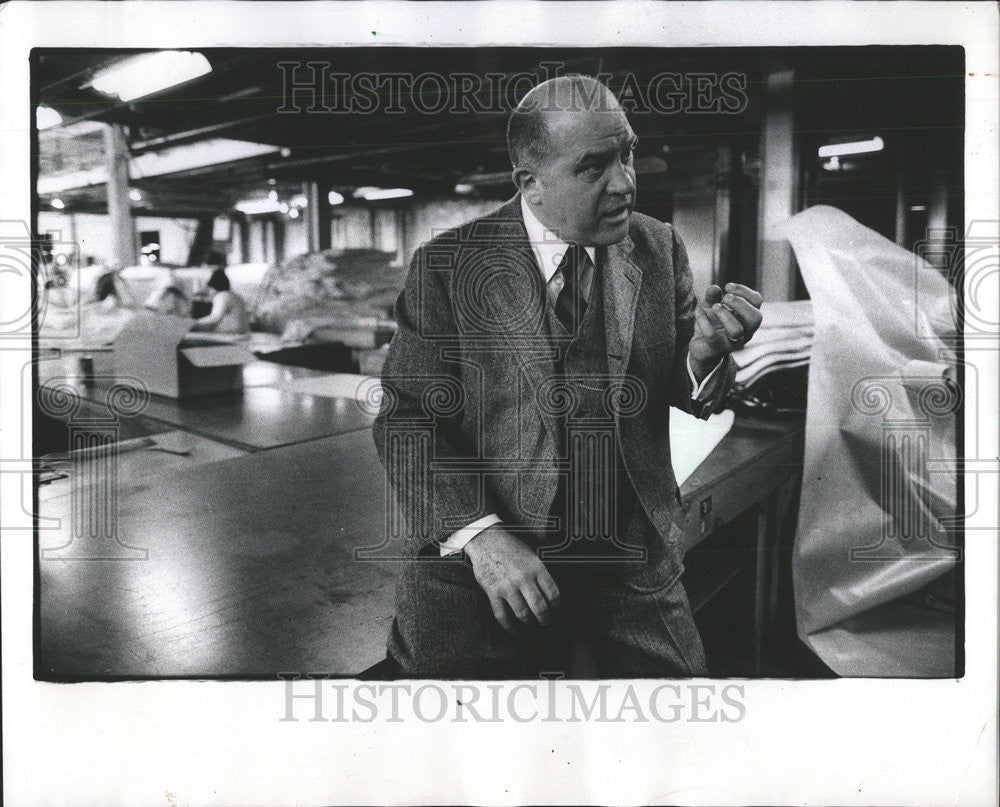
{"x":527,"y":183}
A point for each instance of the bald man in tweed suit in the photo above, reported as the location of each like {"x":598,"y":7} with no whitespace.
{"x":524,"y":425}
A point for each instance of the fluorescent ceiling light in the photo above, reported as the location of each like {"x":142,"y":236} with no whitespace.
{"x":375,"y":194}
{"x":855,"y":147}
{"x":335,"y":198}
{"x":84,"y":127}
{"x":255,"y":207}
{"x":46,"y":117}
{"x":150,"y":73}
{"x":161,"y":163}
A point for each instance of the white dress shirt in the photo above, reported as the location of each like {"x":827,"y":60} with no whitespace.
{"x":549,"y":250}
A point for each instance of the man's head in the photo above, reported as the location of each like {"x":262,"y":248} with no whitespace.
{"x":571,"y":147}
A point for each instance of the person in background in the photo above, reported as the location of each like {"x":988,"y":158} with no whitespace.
{"x":229,"y":312}
{"x":103,"y":314}
{"x":170,"y":299}
{"x":106,"y":293}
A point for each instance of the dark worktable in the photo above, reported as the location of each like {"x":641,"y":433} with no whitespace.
{"x":268,"y":412}
{"x":251,"y":568}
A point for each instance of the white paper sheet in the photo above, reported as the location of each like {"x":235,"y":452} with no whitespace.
{"x":692,"y":440}
{"x":336,"y":385}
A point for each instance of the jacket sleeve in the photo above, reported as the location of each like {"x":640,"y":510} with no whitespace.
{"x":419,"y":432}
{"x":713,"y":396}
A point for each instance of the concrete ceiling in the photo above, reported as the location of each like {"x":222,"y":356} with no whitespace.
{"x":241,"y":99}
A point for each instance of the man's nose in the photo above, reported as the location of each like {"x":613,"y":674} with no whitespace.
{"x":622,"y":181}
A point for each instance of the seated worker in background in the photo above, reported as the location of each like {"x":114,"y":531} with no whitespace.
{"x":104,"y":314}
{"x":111,"y":294}
{"x":106,"y":295}
{"x":170,"y":300}
{"x":229,"y":312}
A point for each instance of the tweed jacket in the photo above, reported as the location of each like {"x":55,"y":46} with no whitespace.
{"x":470,"y":423}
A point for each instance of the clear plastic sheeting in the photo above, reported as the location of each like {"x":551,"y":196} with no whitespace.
{"x":876,"y":523}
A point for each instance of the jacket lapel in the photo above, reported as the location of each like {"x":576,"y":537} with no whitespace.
{"x":622,"y":279}
{"x":517,"y":301}
{"x":523,"y":326}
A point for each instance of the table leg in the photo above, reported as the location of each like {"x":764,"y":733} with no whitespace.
{"x":766,"y":537}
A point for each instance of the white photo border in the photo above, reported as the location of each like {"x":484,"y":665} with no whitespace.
{"x":846,"y":742}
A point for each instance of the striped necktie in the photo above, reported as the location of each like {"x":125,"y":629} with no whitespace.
{"x":570,"y":304}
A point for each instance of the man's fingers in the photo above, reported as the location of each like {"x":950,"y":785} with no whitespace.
{"x":702,"y":324}
{"x":748,"y":316}
{"x":748,"y":294}
{"x":502,"y":614}
{"x":548,"y":587}
{"x":520,"y":608}
{"x":715,"y":326}
{"x":732,"y":326}
{"x":537,"y":603}
{"x":713,"y":294}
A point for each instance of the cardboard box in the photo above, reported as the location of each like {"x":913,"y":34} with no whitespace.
{"x":157,"y":350}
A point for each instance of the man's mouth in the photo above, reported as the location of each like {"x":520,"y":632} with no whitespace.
{"x":617,"y":213}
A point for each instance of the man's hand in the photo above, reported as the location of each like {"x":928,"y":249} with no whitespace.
{"x":515,"y":580}
{"x":723,"y":323}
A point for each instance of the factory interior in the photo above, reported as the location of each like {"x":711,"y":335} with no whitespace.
{"x":233,"y":511}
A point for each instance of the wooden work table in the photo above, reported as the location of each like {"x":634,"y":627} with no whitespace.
{"x":249,"y":564}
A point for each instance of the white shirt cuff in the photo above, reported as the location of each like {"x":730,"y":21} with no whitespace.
{"x":457,"y":540}
{"x":699,"y":388}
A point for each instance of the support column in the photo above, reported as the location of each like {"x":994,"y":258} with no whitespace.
{"x":123,"y":239}
{"x":779,"y":174}
{"x":317,"y":217}
{"x":902,"y":198}
{"x":937,"y":219}
{"x":244,"y":225}
{"x":401,"y":236}
{"x":201,"y":246}
{"x":278,"y":223}
{"x":722,"y":181}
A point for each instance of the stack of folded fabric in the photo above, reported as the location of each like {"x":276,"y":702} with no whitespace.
{"x":772,"y":371}
{"x":783,"y":341}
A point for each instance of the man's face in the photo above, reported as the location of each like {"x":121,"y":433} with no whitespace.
{"x":585,"y":190}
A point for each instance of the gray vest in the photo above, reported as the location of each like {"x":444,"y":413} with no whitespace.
{"x":595,"y":501}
